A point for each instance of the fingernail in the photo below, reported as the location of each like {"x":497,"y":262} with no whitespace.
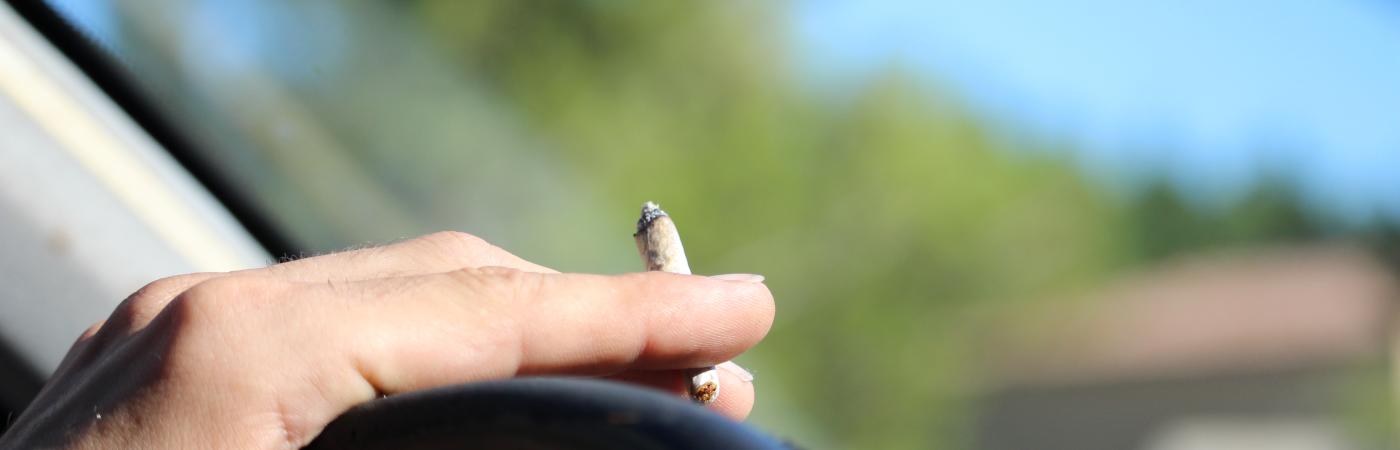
{"x":746,"y":277}
{"x":737,"y":371}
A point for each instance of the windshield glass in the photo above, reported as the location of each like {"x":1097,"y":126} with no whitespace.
{"x":976,"y":219}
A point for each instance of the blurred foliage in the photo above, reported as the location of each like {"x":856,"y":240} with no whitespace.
{"x":1165,"y":224}
{"x":888,"y":219}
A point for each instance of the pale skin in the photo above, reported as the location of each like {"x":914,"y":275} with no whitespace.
{"x":265,"y":358}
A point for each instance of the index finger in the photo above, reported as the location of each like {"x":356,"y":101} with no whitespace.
{"x":497,"y":323}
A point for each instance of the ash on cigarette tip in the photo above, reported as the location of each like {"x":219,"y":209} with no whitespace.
{"x":705,"y":393}
{"x":650,"y":212}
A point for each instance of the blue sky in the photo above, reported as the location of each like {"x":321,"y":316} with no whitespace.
{"x":1205,"y":91}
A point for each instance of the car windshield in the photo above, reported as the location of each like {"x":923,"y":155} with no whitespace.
{"x":986,"y":226}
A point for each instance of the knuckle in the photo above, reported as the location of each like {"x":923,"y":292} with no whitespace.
{"x":502,"y":274}
{"x":91,"y":331}
{"x":217,"y":314}
{"x":197,"y":303}
{"x":502,"y":284}
{"x":456,"y":241}
{"x":88,"y":335}
{"x":150,"y":299}
{"x":168,"y":286}
{"x":457,"y":249}
{"x":220,"y":300}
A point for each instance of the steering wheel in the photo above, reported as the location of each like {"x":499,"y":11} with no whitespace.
{"x":538,"y":413}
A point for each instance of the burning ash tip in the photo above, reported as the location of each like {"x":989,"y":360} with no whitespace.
{"x":650,"y":212}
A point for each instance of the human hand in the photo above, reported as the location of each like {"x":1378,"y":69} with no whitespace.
{"x":265,"y":358}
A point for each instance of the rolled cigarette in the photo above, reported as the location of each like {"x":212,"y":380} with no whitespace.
{"x":659,"y":244}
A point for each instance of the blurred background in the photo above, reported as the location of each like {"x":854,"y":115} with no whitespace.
{"x":996,"y":225}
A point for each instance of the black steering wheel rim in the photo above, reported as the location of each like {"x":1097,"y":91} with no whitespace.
{"x":538,"y":413}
